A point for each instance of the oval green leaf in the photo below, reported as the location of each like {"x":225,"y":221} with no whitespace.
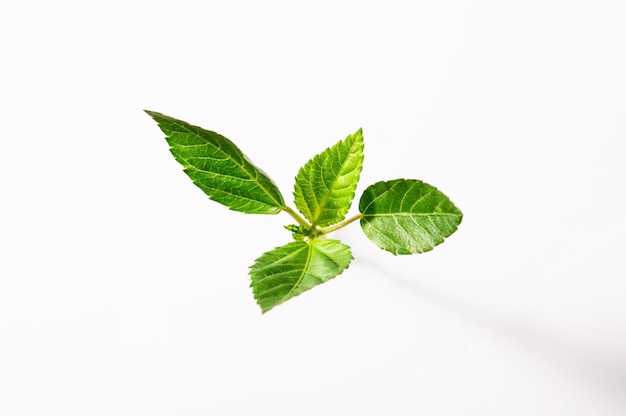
{"x":406,"y":216}
{"x":289,"y":270}
{"x":219,"y":168}
{"x":325,"y":185}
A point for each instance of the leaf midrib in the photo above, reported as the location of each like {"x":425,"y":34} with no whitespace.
{"x":408,"y":214}
{"x":304,"y":271}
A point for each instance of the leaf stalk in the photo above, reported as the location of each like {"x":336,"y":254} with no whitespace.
{"x":296,"y":217}
{"x":339,"y":225}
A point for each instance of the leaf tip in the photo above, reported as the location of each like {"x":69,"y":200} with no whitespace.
{"x":156,"y":116}
{"x":358,"y":135}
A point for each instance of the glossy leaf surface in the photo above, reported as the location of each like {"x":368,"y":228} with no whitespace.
{"x":325,"y":185}
{"x":287,"y":271}
{"x":407,"y":216}
{"x":219,"y":168}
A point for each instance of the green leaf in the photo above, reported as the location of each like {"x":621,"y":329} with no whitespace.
{"x":289,"y":270}
{"x":407,"y":216}
{"x":325,"y":185}
{"x":219,"y":168}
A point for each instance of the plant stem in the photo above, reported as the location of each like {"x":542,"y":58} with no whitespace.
{"x":342,"y":224}
{"x":297,"y":217}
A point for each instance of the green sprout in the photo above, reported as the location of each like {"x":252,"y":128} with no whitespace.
{"x":402,"y":216}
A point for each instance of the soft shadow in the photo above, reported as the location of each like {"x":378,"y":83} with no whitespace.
{"x":609,"y":376}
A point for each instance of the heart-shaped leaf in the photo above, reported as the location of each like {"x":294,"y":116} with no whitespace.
{"x":407,"y":216}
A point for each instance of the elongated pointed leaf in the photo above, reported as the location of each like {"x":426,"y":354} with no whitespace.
{"x":219,"y":168}
{"x":407,"y":216}
{"x":325,"y":185}
{"x":289,"y":270}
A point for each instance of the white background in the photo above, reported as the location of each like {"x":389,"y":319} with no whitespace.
{"x":124,"y":290}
